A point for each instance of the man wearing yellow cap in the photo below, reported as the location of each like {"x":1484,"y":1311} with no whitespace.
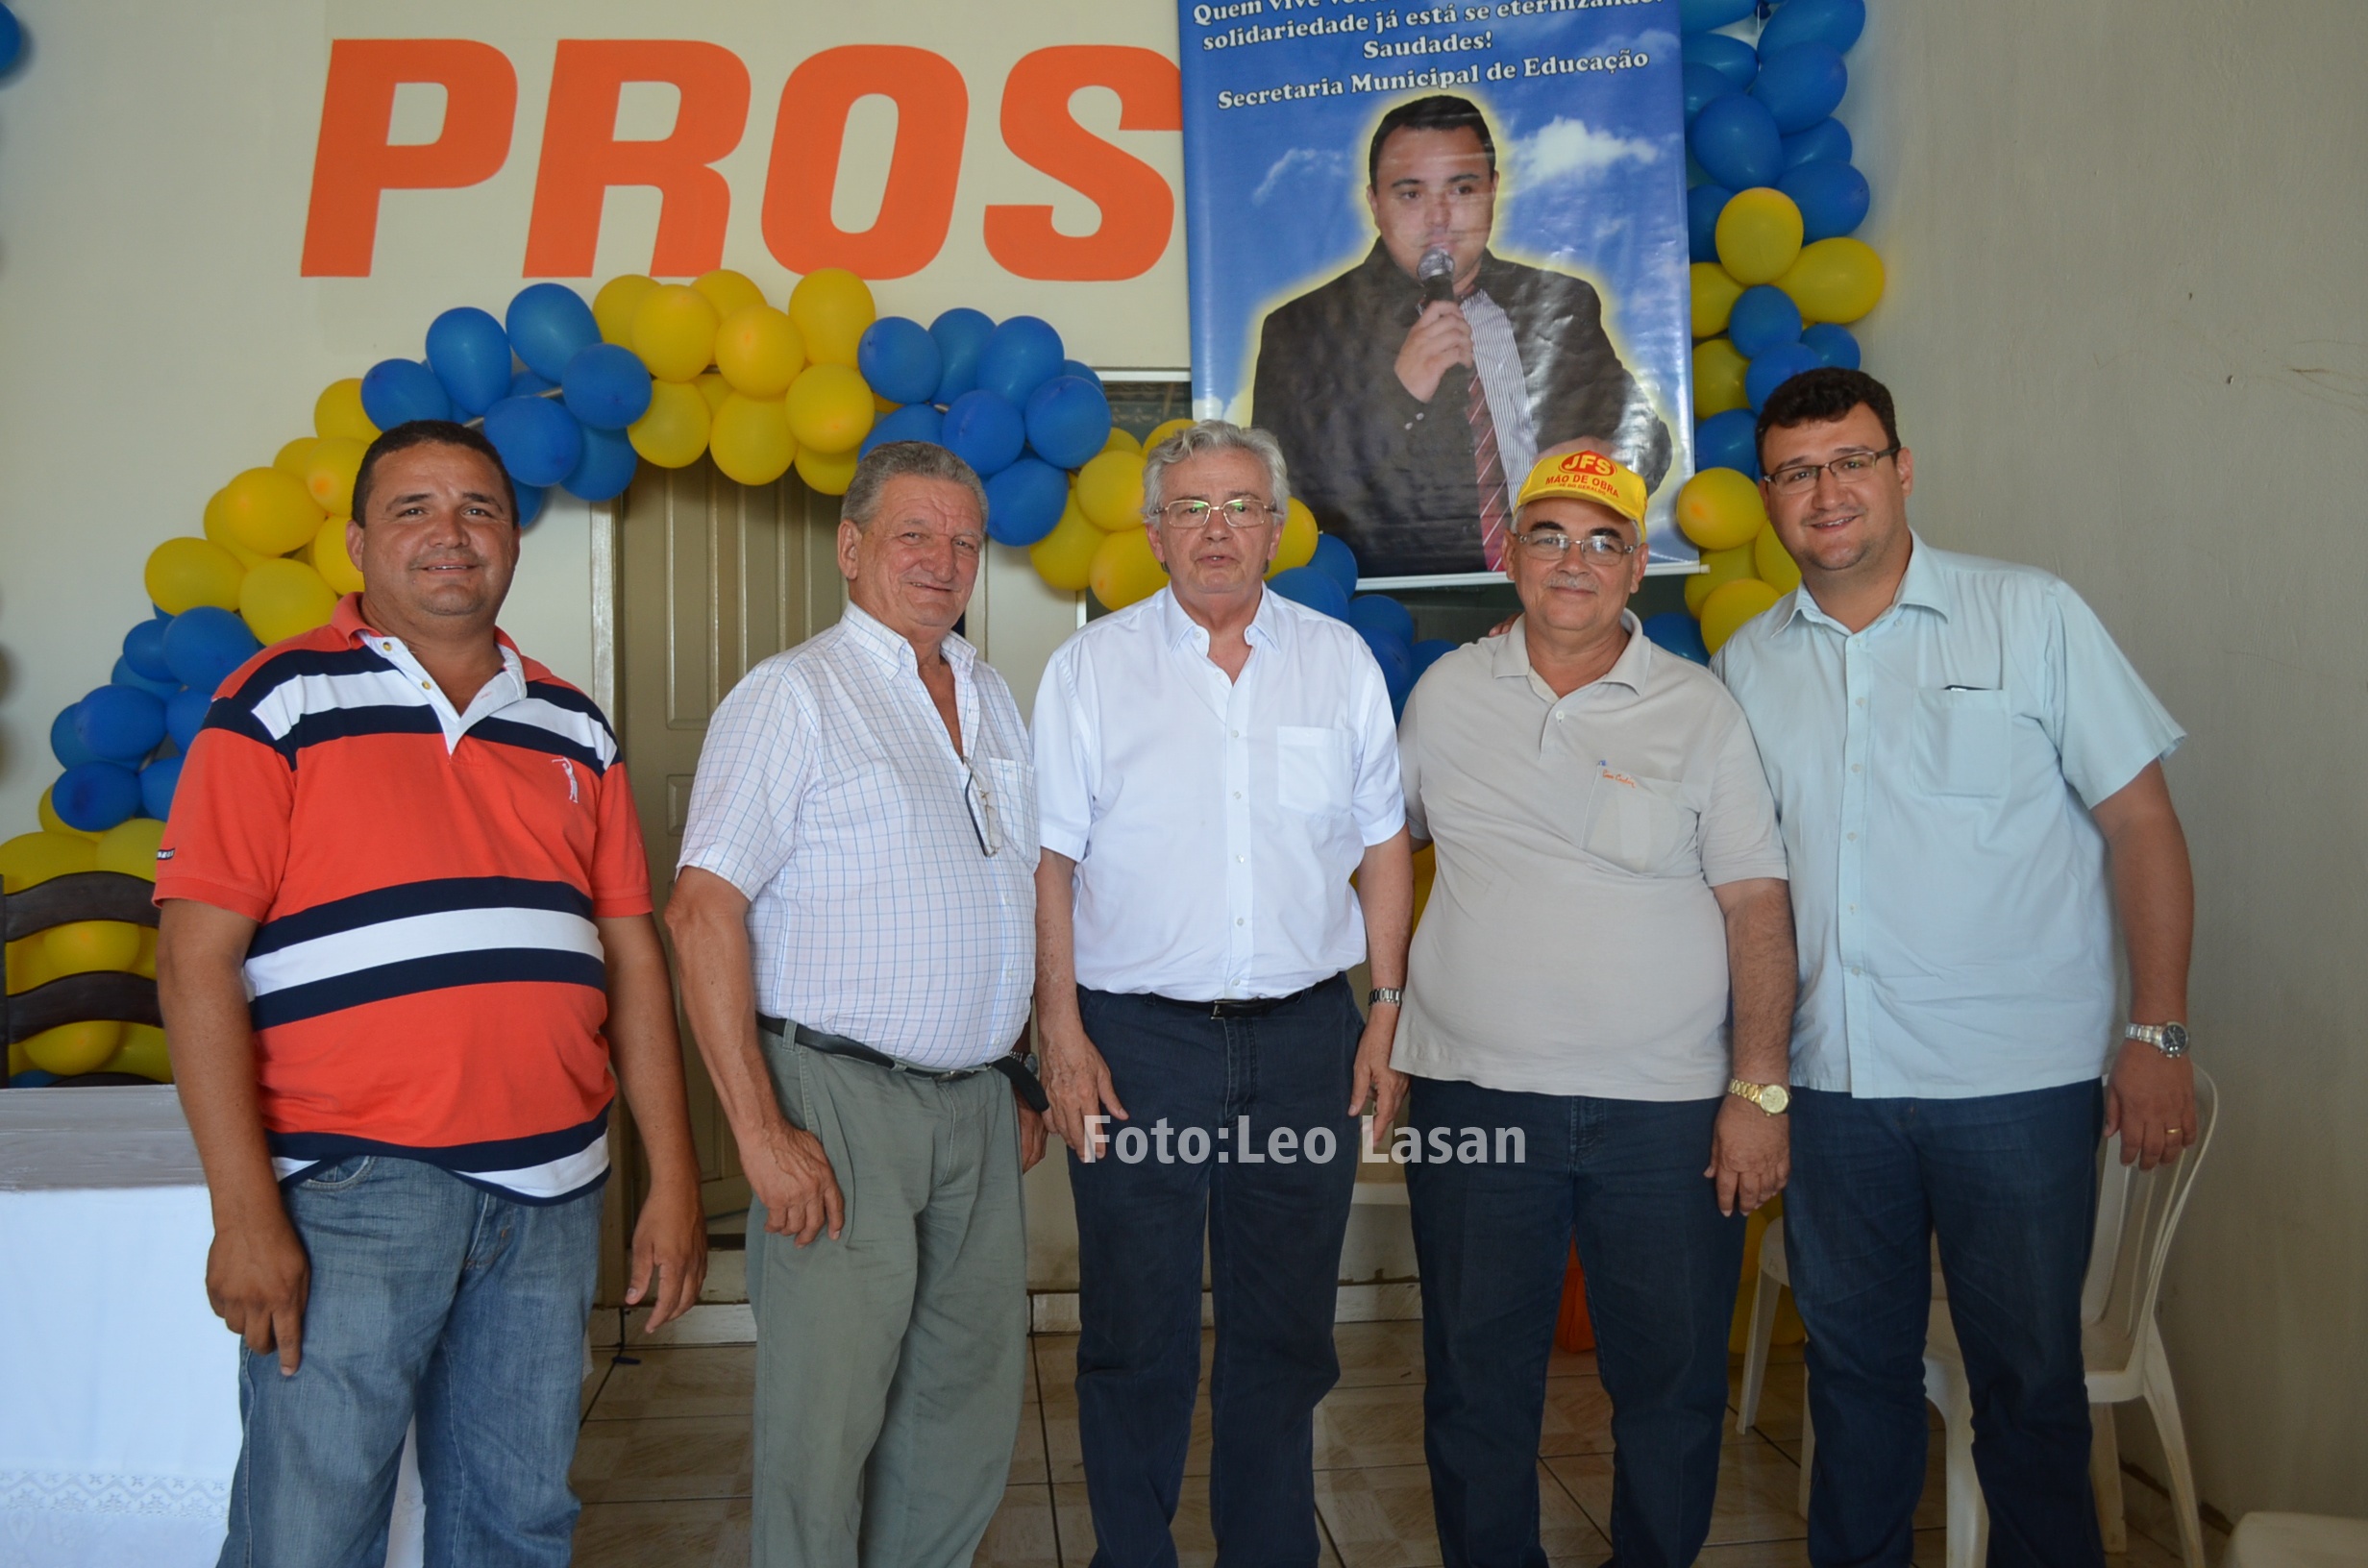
{"x":1609,"y":879}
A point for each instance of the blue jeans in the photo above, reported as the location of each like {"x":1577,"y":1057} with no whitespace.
{"x":433,"y":1298}
{"x":1492,"y":1237}
{"x":1274,"y":1228}
{"x":2008,"y":1183}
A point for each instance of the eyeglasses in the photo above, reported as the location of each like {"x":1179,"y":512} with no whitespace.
{"x":1241,"y":512}
{"x":1594,"y":549}
{"x":981,"y":801}
{"x":1802,"y":478}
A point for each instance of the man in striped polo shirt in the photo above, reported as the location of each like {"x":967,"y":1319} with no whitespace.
{"x":405,"y":960}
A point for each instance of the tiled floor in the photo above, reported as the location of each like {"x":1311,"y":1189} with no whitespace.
{"x":663,"y":1468}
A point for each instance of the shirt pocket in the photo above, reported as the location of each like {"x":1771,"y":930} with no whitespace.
{"x":1639,"y":824}
{"x":1961,"y":742}
{"x":1012,"y":786}
{"x":1311,"y":769}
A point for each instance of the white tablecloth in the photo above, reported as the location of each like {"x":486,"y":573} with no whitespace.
{"x":118,"y":1385}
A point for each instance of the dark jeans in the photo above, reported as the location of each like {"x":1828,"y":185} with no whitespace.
{"x":1663,"y":1265}
{"x":2007,"y":1183}
{"x":1274,"y":1228}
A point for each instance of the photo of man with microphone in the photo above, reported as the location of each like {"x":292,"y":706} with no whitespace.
{"x":1411,"y":392}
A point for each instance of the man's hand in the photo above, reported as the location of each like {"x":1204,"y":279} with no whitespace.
{"x":669,"y":1242}
{"x":257,"y":1281}
{"x":1751,"y":1156}
{"x":2150,"y":1101}
{"x":1078,"y":1082}
{"x":1441,"y":337}
{"x":790,"y":1174}
{"x":1374,"y":1078}
{"x":1031,"y":1135}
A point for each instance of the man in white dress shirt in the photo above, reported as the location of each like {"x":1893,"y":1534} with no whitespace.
{"x":853,"y":916}
{"x":1214,"y":763}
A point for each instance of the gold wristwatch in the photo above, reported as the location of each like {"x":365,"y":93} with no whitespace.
{"x":1772,"y":1098}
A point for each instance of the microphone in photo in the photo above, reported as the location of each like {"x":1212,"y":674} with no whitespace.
{"x":1436,"y":272}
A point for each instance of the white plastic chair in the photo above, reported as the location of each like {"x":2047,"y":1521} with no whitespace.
{"x":2138,"y":1214}
{"x":2297,"y":1540}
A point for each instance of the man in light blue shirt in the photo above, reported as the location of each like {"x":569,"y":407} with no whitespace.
{"x":1968,"y":778}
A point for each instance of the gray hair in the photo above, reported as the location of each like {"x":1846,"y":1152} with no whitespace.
{"x":1214,"y":435}
{"x":905,"y":460}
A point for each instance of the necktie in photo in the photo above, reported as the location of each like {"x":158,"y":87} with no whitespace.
{"x":1495,"y":506}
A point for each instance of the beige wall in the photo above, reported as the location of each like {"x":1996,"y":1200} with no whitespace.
{"x":2129,"y":252}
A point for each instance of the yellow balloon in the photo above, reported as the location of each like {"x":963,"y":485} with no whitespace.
{"x":1837,"y":279}
{"x":281,"y":600}
{"x":1110,"y":492}
{"x":217,"y":529}
{"x":673,"y":331}
{"x":143,"y":1052}
{"x":758,"y":351}
{"x":31,"y":859}
{"x":146,"y":962}
{"x":1721,"y":567}
{"x":73,"y":1049}
{"x":1121,"y":439}
{"x":87,"y":946}
{"x":832,"y":307}
{"x":1298,"y":543}
{"x":714,"y":389}
{"x":18,"y":1061}
{"x":729,"y":292}
{"x":296,"y":455}
{"x":1161,"y":432}
{"x":1759,"y":234}
{"x":338,"y":411}
{"x":1773,"y":563}
{"x":183,"y":573}
{"x":881,"y":404}
{"x":269,"y":511}
{"x":673,"y":432}
{"x":329,"y":473}
{"x":829,"y":408}
{"x":1124,"y":569}
{"x":46,"y":813}
{"x":614,"y":306}
{"x":1717,"y":377}
{"x":1065,"y":556}
{"x":1720,"y":508}
{"x":27,"y":968}
{"x":1727,"y":608}
{"x":1714,"y":294}
{"x":827,"y":473}
{"x":130,"y":847}
{"x":328,"y":558}
{"x":751,"y":440}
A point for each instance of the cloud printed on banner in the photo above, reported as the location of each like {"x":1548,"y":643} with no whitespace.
{"x":1568,"y":150}
{"x":1325,"y":167}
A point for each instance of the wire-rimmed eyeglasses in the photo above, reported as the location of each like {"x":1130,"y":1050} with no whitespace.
{"x":1192,"y":512}
{"x":980,"y":799}
{"x":1798,"y":479}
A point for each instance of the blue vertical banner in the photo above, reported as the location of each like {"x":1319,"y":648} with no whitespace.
{"x":1429,"y":243}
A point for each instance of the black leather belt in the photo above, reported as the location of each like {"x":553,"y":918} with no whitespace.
{"x":1013,"y":1068}
{"x":1244,"y":1006}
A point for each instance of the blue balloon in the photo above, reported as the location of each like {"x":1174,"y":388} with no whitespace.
{"x":985,"y":431}
{"x":1701,"y":15}
{"x":1828,"y":141}
{"x":899,"y":360}
{"x":1800,"y":85}
{"x":1703,"y":204}
{"x":123,"y":674}
{"x":606,"y":467}
{"x":1019,"y":356}
{"x":1429,"y":651}
{"x":1334,"y":558}
{"x":95,"y":797}
{"x":1735,"y":141}
{"x":144,"y":650}
{"x":1835,"y":23}
{"x":32,"y":1078}
{"x":1736,"y":62}
{"x":530,"y":499}
{"x":549,"y":325}
{"x":1079,"y":368}
{"x":1764,"y":317}
{"x":960,"y":334}
{"x":914,"y":422}
{"x":1771,"y":369}
{"x":1833,"y":198}
{"x":119,"y":724}
{"x":157,"y":783}
{"x":1679,"y":633}
{"x":1024,"y":501}
{"x":12,"y":37}
{"x":527,"y":384}
{"x":1702,"y":83}
{"x":470,"y":355}
{"x":1382,"y":615}
{"x":1067,"y":421}
{"x":205,"y":644}
{"x":605,"y":386}
{"x":397,"y":391}
{"x":1397,"y":658}
{"x":65,"y":742}
{"x":1728,"y":440}
{"x":1313,"y":586}
{"x":1833,"y":345}
{"x":540,"y":442}
{"x":184,"y":715}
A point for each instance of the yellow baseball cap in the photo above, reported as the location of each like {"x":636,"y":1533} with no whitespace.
{"x":1587,"y":476}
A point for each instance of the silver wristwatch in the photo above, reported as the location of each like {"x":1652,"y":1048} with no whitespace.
{"x":1395,"y":995}
{"x":2170,"y":1039}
